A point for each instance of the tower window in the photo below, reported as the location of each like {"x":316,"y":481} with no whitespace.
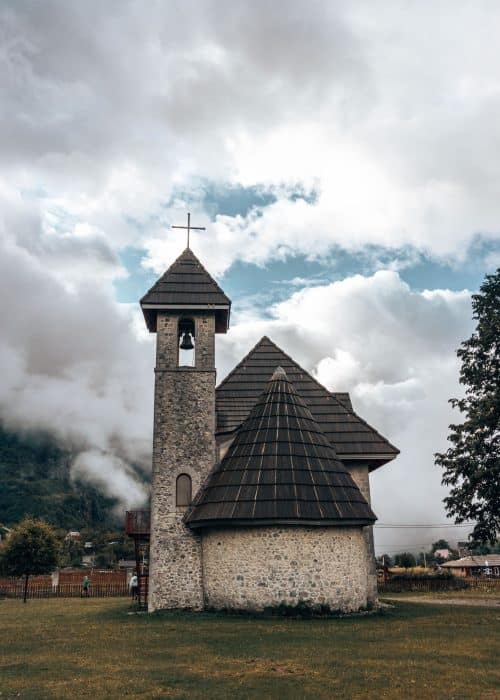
{"x":186,"y":342}
{"x":183,"y":491}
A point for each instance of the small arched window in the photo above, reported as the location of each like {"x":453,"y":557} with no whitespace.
{"x":183,"y":491}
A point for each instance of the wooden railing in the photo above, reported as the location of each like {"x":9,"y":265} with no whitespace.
{"x":137,"y":522}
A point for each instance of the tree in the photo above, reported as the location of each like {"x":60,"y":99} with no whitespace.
{"x":405,"y":559}
{"x":32,"y":548}
{"x":425,"y":559}
{"x":471,"y":466}
{"x":440,"y":544}
{"x":387,"y":559}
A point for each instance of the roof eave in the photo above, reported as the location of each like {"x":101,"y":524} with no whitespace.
{"x":222,"y":313}
{"x":262,"y":522}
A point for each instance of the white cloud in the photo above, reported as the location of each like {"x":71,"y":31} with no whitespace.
{"x":389,"y":113}
{"x":78,"y":365}
{"x":393,"y":120}
{"x":111,"y":474}
{"x":394,"y":350}
{"x":72,"y":365}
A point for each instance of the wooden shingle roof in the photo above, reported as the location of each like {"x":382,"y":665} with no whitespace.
{"x":280,"y":469}
{"x":185,"y":286}
{"x":351,"y":436}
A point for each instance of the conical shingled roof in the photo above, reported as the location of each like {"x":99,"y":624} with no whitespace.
{"x":351,"y":436}
{"x":186,"y":285}
{"x":280,"y":469}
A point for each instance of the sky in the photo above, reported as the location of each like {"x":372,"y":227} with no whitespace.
{"x":343,"y":159}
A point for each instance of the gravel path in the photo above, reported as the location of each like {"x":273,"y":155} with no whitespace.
{"x":474,"y":602}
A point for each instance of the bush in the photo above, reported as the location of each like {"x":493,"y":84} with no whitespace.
{"x":439,"y":581}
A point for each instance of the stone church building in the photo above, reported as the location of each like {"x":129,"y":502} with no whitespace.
{"x":260,"y":492}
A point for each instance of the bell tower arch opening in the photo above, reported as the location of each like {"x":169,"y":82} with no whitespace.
{"x":187,"y":343}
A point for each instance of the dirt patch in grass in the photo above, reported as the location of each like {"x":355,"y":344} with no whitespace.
{"x":94,"y":648}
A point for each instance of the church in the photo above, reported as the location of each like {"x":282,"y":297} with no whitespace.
{"x":260,"y":487}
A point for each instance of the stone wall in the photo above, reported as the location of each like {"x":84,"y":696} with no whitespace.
{"x":183,"y":443}
{"x":361,"y":476}
{"x":254,"y":567}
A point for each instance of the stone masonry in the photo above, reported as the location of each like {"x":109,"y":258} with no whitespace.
{"x":362,"y":478}
{"x":183,"y":443}
{"x":250,"y":568}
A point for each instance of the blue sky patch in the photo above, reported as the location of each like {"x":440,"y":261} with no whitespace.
{"x":263,"y":285}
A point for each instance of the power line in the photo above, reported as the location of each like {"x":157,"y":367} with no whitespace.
{"x":398,"y":547}
{"x":419,"y":525}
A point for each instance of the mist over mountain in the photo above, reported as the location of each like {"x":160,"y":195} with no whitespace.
{"x":36,"y":478}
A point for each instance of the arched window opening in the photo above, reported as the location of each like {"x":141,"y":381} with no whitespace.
{"x":186,"y":342}
{"x":183,"y":491}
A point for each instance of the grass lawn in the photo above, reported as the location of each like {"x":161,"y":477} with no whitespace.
{"x":490,"y":594}
{"x":65,"y":648}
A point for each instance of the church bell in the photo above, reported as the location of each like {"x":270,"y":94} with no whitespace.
{"x":186,"y":343}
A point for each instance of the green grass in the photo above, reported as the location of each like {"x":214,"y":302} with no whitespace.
{"x":490,"y":594}
{"x":93,"y":648}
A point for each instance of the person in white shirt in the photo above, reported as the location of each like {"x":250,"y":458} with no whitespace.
{"x":134,"y":587}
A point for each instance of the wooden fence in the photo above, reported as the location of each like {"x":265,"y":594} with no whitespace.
{"x":96,"y":576}
{"x":14,"y":588}
{"x":432,"y":584}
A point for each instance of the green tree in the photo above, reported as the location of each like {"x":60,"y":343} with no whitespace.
{"x":387,"y":559}
{"x":440,"y":544}
{"x":32,"y":548}
{"x":405,"y":559}
{"x":471,"y":466}
{"x":425,"y":559}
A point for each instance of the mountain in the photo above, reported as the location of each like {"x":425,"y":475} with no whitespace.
{"x":35,"y":480}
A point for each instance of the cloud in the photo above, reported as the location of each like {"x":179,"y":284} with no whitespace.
{"x":73,"y":366}
{"x":109,"y":110}
{"x":111,"y":474}
{"x":113,"y":114}
{"x":76,"y":364}
{"x":393,"y":349}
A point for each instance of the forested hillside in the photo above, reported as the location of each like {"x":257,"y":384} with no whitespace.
{"x":35,"y":480}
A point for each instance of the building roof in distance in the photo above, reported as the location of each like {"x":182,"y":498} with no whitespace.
{"x":351,"y":436}
{"x":480,"y":560}
{"x":280,"y":469}
{"x":186,"y":286}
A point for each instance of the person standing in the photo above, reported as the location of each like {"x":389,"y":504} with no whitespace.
{"x":85,"y":586}
{"x":134,"y":587}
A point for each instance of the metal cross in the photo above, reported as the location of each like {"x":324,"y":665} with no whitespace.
{"x":191,"y":228}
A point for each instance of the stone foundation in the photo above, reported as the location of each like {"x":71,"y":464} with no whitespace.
{"x":255,"y":567}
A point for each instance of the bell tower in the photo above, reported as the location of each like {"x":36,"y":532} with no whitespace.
{"x":185,"y":308}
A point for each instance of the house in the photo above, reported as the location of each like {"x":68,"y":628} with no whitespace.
{"x":480,"y":565}
{"x":128,"y":564}
{"x":72,"y":536}
{"x":442,"y":553}
{"x":463,"y":549}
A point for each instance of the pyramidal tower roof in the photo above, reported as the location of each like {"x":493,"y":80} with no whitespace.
{"x":280,"y":469}
{"x":186,"y":286}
